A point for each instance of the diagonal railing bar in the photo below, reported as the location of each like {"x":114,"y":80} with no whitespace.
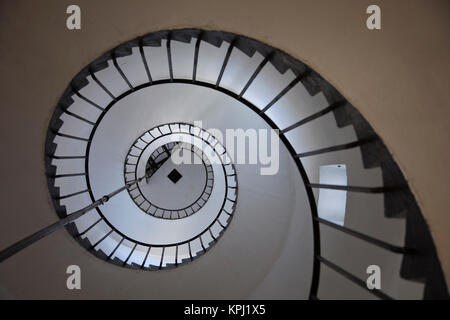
{"x":313,"y":116}
{"x":119,"y":69}
{"x":71,"y":195}
{"x":101,"y":239}
{"x":70,"y":136}
{"x":351,"y":188}
{"x":77,"y":116}
{"x":65,"y":157}
{"x":285,"y":91}
{"x":190,"y":251}
{"x":255,"y":74}
{"x":66,"y":175}
{"x":24,"y":243}
{"x":162,"y":257}
{"x":129,"y":255}
{"x":88,"y":228}
{"x":93,"y":76}
{"x":145,"y":258}
{"x":362,"y":236}
{"x":339,"y":147}
{"x":376,"y":292}
{"x":197,"y":47}
{"x":225,"y":62}
{"x":169,"y":56}
{"x":92,"y":103}
{"x":115,"y":249}
{"x":144,"y":61}
{"x":201,"y":243}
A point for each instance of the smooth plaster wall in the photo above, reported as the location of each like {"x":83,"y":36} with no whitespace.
{"x":397,"y":77}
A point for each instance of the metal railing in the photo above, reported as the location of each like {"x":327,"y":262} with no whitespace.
{"x":22,"y":244}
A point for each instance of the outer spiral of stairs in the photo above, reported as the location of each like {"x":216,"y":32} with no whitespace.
{"x":155,"y":81}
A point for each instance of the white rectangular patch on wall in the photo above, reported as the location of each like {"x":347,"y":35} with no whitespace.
{"x":332,"y":203}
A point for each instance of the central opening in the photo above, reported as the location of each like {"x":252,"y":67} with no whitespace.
{"x":179,"y":175}
{"x":174,"y":176}
{"x":170,"y":185}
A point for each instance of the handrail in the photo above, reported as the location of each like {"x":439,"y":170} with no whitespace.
{"x":22,"y":244}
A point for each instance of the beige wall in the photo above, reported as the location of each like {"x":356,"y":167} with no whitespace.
{"x":397,"y":77}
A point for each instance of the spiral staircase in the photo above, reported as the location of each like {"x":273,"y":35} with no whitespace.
{"x":113,"y":126}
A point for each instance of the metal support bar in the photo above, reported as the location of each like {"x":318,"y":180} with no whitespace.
{"x":144,"y":61}
{"x":69,"y":136}
{"x":344,"y":146}
{"x":101,"y":84}
{"x":354,"y":279}
{"x":66,"y":157}
{"x":359,"y":235}
{"x":197,"y":47}
{"x":101,"y":239}
{"x":284,"y":91}
{"x":169,"y":56}
{"x":124,"y":77}
{"x":89,"y":228}
{"x":162,"y":257}
{"x":225,"y":62}
{"x":115,"y":249}
{"x":190,"y":252}
{"x":68,"y":175}
{"x":255,"y":74}
{"x":71,"y":195}
{"x":145,"y":258}
{"x":313,"y":117}
{"x":129,"y":256}
{"x":92,"y":103}
{"x":78,"y":117}
{"x":350,"y":188}
{"x":22,"y":244}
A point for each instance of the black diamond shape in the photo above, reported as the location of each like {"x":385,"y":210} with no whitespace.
{"x":174,"y":176}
